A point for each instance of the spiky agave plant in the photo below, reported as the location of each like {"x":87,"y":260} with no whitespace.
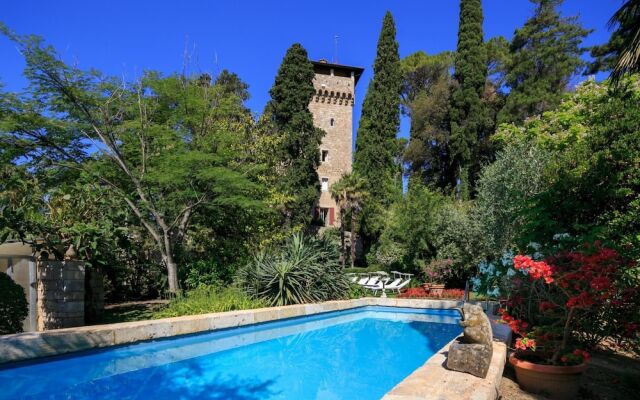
{"x":305,"y":270}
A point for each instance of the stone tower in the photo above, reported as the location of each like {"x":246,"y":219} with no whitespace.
{"x":332,"y":109}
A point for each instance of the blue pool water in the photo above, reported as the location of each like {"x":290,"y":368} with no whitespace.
{"x":354,"y":354}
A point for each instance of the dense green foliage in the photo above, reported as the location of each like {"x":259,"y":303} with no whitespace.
{"x":304,"y":270}
{"x":623,"y":50}
{"x":468,"y":116}
{"x":13,"y":305}
{"x":297,"y":153}
{"x":350,"y":195}
{"x":545,"y":54}
{"x":406,"y":242}
{"x":594,"y":183}
{"x":163,"y":151}
{"x":374,"y":159}
{"x":426,"y":101}
{"x":209,"y":299}
{"x":505,"y":189}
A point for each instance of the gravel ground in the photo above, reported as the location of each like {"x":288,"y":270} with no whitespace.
{"x":610,"y":376}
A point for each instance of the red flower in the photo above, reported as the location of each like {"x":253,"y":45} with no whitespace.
{"x":583,"y":300}
{"x":535,"y":269}
{"x":546,"y":305}
{"x":601,"y":283}
{"x":525,"y":343}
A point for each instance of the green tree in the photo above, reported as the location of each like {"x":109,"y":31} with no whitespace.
{"x":350,"y":195}
{"x":376,"y":145}
{"x":592,"y":188}
{"x":406,"y":242}
{"x":13,"y":305}
{"x":545,"y":54}
{"x":426,"y":99}
{"x":297,"y":155}
{"x":161,"y":146}
{"x":626,"y":39}
{"x":506,"y":188}
{"x":468,"y":116}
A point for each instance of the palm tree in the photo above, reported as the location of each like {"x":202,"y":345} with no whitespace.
{"x":349,"y":194}
{"x":627,"y":18}
{"x":339,"y":194}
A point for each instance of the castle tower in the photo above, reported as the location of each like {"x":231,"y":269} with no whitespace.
{"x":332,"y":109}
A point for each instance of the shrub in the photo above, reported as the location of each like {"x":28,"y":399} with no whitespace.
{"x":306,"y":269}
{"x":13,"y":305}
{"x":208,"y":299}
{"x":458,"y":242}
{"x":571,"y":301}
{"x":419,"y":292}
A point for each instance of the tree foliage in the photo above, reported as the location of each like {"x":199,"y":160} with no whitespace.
{"x":298,"y":147}
{"x":425,"y":99}
{"x":165,"y":147}
{"x":13,"y":305}
{"x":467,"y":112}
{"x":593,"y":182}
{"x":545,"y":54}
{"x":375,"y":152}
{"x":623,"y":49}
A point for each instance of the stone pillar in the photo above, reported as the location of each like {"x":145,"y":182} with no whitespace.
{"x":61,"y":294}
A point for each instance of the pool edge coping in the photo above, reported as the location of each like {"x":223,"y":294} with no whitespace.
{"x":56,"y":342}
{"x":433,"y":381}
{"x":430,"y":381}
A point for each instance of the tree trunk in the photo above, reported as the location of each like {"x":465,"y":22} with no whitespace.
{"x":353,"y":238}
{"x":172,"y":273}
{"x":343,"y":247}
{"x":170,"y":263}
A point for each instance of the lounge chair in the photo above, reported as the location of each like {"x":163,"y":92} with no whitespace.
{"x":397,"y":284}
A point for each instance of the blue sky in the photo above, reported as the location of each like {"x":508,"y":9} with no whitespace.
{"x":124,"y":38}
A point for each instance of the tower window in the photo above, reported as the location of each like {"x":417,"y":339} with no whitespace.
{"x":324,"y":184}
{"x":324,"y":155}
{"x":332,"y":122}
{"x":324,"y":216}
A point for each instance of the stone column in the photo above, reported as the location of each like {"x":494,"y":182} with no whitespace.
{"x":61,"y":294}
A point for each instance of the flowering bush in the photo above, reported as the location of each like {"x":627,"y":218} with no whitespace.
{"x":438,"y":271}
{"x":570,"y":301}
{"x":419,"y":292}
{"x":494,"y":276}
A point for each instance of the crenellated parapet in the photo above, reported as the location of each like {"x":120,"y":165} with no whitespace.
{"x":333,"y":97}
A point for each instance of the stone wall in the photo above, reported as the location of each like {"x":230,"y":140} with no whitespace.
{"x":61,"y":294}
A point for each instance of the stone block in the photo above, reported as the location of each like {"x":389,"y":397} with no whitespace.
{"x":473,"y":358}
{"x":73,"y":286}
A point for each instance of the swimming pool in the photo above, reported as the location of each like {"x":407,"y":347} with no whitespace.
{"x":360,"y":353}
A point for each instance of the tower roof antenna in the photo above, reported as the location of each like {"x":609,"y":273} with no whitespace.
{"x":335,"y":48}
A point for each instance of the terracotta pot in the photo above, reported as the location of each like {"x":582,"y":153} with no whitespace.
{"x":434,"y":289}
{"x":559,"y":382}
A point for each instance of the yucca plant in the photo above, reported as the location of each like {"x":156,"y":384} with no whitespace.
{"x":304,"y":270}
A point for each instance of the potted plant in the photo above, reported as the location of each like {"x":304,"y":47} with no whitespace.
{"x":435,"y":273}
{"x":554,"y":306}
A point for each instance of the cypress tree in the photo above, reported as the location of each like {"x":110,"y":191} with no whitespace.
{"x":297,"y":154}
{"x":379,"y":123}
{"x":545,"y":54}
{"x":467,"y":111}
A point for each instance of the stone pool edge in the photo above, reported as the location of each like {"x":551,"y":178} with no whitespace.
{"x":433,"y":381}
{"x":32,"y":345}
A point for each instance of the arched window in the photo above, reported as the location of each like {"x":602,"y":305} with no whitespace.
{"x":332,"y":122}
